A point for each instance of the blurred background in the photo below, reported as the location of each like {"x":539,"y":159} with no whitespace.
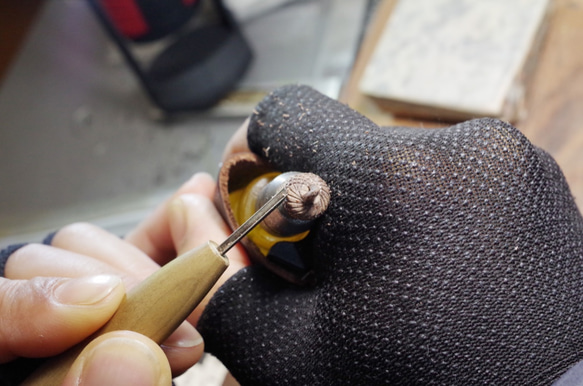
{"x":82,"y":139}
{"x":107,"y":106}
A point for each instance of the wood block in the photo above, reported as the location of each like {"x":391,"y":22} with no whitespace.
{"x":455,"y":59}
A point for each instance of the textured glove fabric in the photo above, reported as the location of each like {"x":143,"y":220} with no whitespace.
{"x":447,"y":257}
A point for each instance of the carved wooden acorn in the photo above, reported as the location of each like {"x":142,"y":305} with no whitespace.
{"x":279,"y":243}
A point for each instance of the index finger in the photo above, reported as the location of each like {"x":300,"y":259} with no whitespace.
{"x":153,"y":236}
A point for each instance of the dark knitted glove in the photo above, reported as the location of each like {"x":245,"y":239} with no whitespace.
{"x":447,"y":256}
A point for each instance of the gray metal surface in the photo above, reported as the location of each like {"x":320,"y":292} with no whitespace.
{"x":309,"y":42}
{"x":77,"y":138}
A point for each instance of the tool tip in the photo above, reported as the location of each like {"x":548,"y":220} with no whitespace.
{"x":308,"y":196}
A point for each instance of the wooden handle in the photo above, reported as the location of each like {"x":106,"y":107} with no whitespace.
{"x":154,"y":308}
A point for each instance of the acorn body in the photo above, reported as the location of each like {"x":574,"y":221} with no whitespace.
{"x":245,"y":183}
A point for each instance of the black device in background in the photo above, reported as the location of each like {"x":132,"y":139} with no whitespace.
{"x":200,"y":63}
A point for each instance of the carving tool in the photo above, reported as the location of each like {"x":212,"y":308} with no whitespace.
{"x":160,"y":303}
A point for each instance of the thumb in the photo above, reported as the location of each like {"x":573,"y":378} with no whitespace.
{"x":296,"y":128}
{"x":120,"y":358}
{"x":44,"y":316}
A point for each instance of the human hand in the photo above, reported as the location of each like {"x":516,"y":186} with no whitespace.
{"x":55,"y":296}
{"x":446,"y":256}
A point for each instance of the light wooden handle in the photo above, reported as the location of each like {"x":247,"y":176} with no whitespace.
{"x":154,"y":308}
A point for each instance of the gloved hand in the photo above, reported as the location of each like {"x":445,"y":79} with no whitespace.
{"x":447,"y":256}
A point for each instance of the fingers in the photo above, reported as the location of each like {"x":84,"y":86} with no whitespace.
{"x":193,"y":221}
{"x":184,"y":347}
{"x":152,"y":236}
{"x":186,"y":221}
{"x":60,"y":317}
{"x":44,"y":316}
{"x":120,"y":358}
{"x":90,"y":240}
{"x":35,"y":260}
{"x":47,"y":261}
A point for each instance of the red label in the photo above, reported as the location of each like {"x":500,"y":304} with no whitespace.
{"x":127,"y":17}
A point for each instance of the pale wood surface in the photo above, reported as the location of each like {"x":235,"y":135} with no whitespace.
{"x":455,"y":58}
{"x":554,"y":102}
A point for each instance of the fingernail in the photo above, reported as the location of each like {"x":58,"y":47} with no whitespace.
{"x":185,"y":337}
{"x":120,"y":362}
{"x":87,"y":290}
{"x":178,"y":218}
{"x":179,"y":215}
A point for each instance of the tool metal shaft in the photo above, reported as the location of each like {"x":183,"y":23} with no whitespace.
{"x":252,"y":222}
